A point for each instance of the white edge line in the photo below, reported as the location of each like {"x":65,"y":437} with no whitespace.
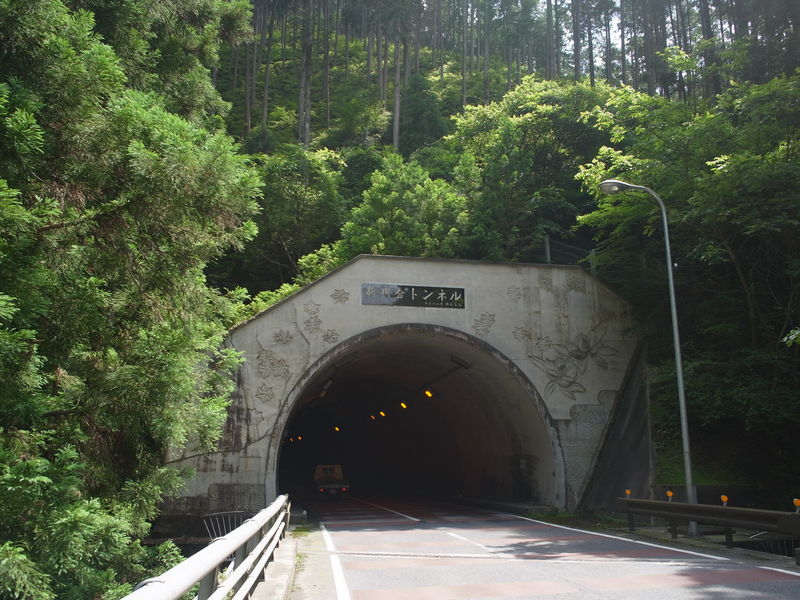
{"x":342,"y":593}
{"x":616,"y":537}
{"x":795,"y":573}
{"x":388,"y":510}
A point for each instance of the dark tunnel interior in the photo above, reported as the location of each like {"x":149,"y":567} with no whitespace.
{"x":419,"y":413}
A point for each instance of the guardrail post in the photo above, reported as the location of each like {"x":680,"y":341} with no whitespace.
{"x":239,"y":557}
{"x":631,"y":523}
{"x":208,"y":584}
{"x":288,"y":516}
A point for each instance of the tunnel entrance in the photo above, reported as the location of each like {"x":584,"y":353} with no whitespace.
{"x":423,"y":410}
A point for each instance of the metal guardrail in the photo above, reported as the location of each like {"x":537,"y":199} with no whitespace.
{"x":252,"y":545}
{"x":728,"y":516}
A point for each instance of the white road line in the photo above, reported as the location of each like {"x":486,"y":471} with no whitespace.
{"x":481,"y":546}
{"x":784,"y":571}
{"x":514,"y":558}
{"x":622,"y":539}
{"x":388,"y":510}
{"x":342,"y":593}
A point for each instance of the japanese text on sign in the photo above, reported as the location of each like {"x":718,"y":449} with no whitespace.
{"x":425,"y":296}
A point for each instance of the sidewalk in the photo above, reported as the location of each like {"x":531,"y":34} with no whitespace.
{"x":301,"y":569}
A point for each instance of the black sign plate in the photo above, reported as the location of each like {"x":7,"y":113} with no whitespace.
{"x":424,"y":296}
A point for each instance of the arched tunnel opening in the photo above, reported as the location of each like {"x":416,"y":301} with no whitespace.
{"x":422,"y":411}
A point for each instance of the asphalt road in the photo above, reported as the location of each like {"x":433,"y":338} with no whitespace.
{"x":383,"y":549}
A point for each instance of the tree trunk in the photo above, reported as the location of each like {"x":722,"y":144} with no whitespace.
{"x":326,"y":62}
{"x":267,"y":72}
{"x":248,"y":85}
{"x":623,"y":57}
{"x":347,"y":49}
{"x":486,"y":35}
{"x":396,"y":115}
{"x":464,"y":35}
{"x":590,"y":40}
{"x":549,"y":42}
{"x":559,"y":38}
{"x":368,"y":65}
{"x":711,"y":81}
{"x":576,"y":39}
{"x":609,"y":48}
{"x":304,"y":100}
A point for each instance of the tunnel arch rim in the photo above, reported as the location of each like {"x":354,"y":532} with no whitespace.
{"x":342,"y":348}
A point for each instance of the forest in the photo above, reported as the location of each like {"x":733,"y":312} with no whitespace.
{"x":168,"y":169}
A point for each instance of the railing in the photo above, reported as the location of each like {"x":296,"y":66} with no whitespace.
{"x":251,"y":545}
{"x":728,"y":516}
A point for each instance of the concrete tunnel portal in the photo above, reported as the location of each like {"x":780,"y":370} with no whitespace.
{"x":530,"y":367}
{"x":421,"y":410}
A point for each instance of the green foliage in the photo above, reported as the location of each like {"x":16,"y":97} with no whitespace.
{"x":518,"y":157}
{"x":405,"y":213}
{"x":302,"y":209}
{"x":110,"y":208}
{"x":360,"y":119}
{"x":734,"y":213}
{"x":420,"y":116}
{"x":168,"y":48}
{"x":62,"y":543}
{"x":21,"y":579}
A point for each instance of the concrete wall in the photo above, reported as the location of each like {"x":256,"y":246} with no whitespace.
{"x":566,"y":335}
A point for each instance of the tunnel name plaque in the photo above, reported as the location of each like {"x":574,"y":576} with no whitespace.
{"x":421,"y":296}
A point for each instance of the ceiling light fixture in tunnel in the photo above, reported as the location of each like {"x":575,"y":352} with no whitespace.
{"x":459,"y":363}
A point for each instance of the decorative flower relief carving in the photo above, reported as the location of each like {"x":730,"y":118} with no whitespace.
{"x":546,"y":280}
{"x":522,"y":333}
{"x":484,"y":324}
{"x":563,"y":364}
{"x":514,"y":293}
{"x":312,"y":307}
{"x":283,"y":337}
{"x":265,"y":393}
{"x":313,"y":324}
{"x":331,"y":336}
{"x":256,"y":418}
{"x":270,"y":365}
{"x":340,"y":296}
{"x":576,"y":283}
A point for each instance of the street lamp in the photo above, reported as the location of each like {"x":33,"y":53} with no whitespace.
{"x":612,"y":186}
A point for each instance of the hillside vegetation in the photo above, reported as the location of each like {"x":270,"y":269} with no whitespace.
{"x":169,"y":168}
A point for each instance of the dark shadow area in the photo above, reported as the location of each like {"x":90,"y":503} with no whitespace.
{"x":417,"y":413}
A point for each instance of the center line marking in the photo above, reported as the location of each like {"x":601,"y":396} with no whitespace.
{"x":388,"y":510}
{"x":481,"y":546}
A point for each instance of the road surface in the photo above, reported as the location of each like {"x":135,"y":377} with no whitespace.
{"x":379,"y":549}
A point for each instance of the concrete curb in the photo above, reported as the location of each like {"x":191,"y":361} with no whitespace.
{"x":280,"y":573}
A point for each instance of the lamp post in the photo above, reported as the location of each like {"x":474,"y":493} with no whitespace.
{"x":612,"y":186}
